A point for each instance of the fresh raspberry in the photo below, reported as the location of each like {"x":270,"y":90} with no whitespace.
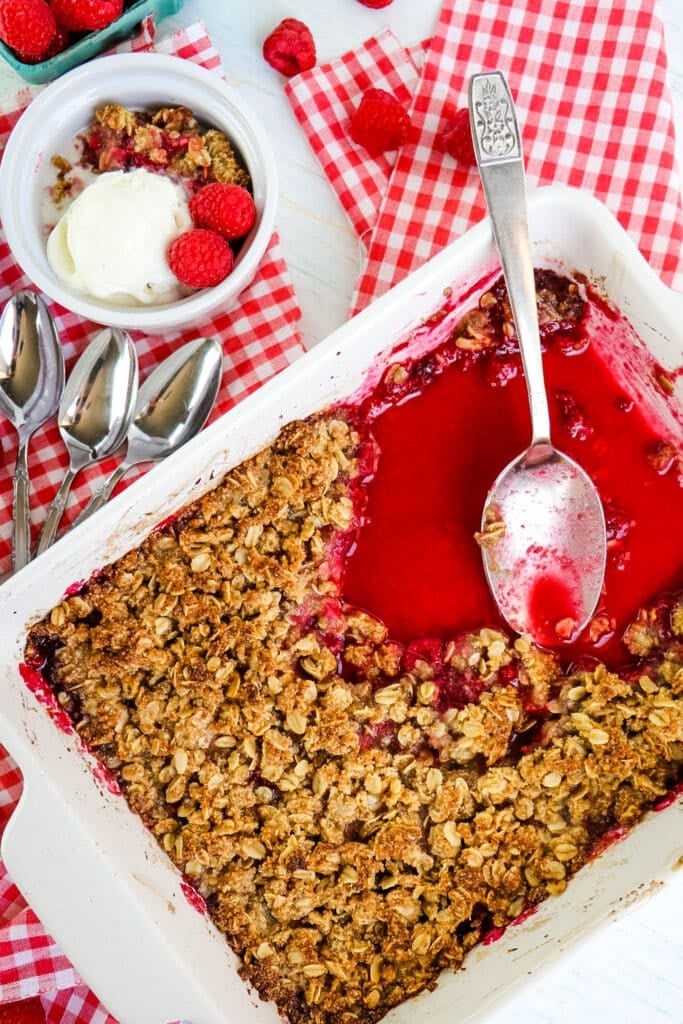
{"x":200,"y":258}
{"x":290,"y":48}
{"x":28,"y":26}
{"x":30,"y":1011}
{"x":227,"y":209}
{"x":375,"y":4}
{"x":86,"y":15}
{"x":380,"y":122}
{"x":456,"y":139}
{"x":60,"y":41}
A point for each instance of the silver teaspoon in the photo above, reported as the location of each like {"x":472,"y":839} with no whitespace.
{"x":543,"y":536}
{"x":173,"y":405}
{"x":31,"y":385}
{"x":95,"y":412}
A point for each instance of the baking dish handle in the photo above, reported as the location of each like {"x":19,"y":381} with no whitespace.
{"x":109,"y":932}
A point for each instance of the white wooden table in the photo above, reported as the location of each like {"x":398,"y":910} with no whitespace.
{"x":630,"y":973}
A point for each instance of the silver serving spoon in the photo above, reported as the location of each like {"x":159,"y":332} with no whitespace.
{"x":95,"y":412}
{"x":31,"y":385}
{"x":173,"y":405}
{"x":543,"y":535}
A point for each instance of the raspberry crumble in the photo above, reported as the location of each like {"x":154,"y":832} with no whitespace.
{"x":136,"y":186}
{"x":169,"y":139}
{"x":364,"y":783}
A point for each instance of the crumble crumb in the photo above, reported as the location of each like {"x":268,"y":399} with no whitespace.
{"x":170,"y":138}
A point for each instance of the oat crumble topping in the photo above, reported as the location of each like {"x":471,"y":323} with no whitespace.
{"x":170,"y":139}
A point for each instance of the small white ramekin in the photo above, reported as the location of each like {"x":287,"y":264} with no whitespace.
{"x":138,"y":81}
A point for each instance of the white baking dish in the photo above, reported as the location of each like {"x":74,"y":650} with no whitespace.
{"x":87,"y":865}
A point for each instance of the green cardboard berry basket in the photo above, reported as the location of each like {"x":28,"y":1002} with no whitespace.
{"x":92,"y":43}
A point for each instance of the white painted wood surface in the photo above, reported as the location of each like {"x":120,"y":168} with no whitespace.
{"x":630,"y":973}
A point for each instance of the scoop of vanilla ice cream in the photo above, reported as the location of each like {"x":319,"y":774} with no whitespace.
{"x":111,"y":243}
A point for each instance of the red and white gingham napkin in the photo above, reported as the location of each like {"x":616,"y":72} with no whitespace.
{"x":590,"y":90}
{"x":589,"y":82}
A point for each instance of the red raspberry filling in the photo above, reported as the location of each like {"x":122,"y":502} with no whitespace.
{"x":415,"y":564}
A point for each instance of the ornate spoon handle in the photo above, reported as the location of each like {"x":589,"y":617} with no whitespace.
{"x":101,"y":496}
{"x":21,"y":542}
{"x":55,"y":512}
{"x":498,"y":147}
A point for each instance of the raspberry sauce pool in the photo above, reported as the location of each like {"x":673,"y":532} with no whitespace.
{"x":461,"y":416}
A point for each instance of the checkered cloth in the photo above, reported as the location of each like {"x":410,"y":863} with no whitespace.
{"x":589,"y":82}
{"x":589,"y":86}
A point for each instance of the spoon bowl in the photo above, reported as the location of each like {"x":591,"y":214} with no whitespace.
{"x":31,"y":386}
{"x":173,"y":405}
{"x":95,"y":412}
{"x":543,"y":536}
{"x":542,"y":526}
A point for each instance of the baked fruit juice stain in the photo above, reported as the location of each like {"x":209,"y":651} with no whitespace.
{"x":461,"y":416}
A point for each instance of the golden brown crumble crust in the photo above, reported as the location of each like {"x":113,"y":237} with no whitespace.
{"x":351,"y":839}
{"x":171,"y":138}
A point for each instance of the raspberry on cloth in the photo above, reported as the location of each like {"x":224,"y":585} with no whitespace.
{"x":380,"y":122}
{"x":323,"y":100}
